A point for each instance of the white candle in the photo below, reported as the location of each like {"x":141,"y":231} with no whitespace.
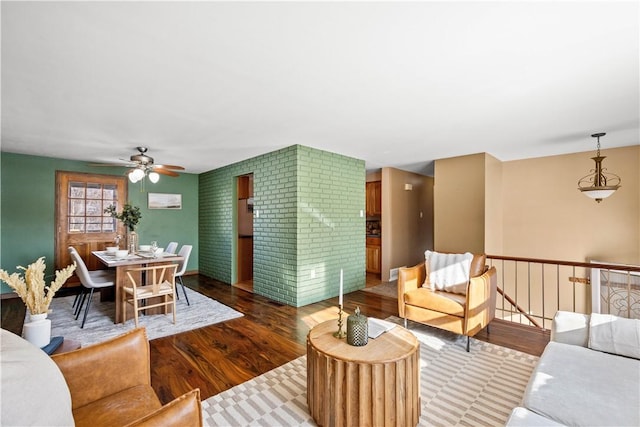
{"x":340,"y":295}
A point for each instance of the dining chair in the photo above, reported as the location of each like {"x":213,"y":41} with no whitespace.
{"x":171,"y":248}
{"x":159,"y":284}
{"x":90,"y":280}
{"x":185,"y":252}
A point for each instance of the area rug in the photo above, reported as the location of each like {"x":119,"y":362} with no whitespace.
{"x":203,"y":311}
{"x":456,"y":388}
{"x":389,"y":289}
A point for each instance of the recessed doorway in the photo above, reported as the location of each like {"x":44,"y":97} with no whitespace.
{"x":245,"y":233}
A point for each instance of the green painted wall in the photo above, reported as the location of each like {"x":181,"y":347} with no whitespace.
{"x":27,"y":208}
{"x":307,"y":224}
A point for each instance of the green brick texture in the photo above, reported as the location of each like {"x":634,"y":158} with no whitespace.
{"x":307,"y":224}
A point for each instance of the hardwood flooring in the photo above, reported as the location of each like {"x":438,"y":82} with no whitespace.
{"x":218,"y":357}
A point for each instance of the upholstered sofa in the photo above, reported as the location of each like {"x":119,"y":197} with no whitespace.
{"x":588,"y":375}
{"x":105,"y":384}
{"x":464,"y":312}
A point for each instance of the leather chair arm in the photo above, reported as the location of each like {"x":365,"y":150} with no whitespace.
{"x":106,"y":368}
{"x":481,"y":300}
{"x":185,"y":411}
{"x":409,"y":279}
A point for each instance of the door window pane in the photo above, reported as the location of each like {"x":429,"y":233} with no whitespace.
{"x":87,"y":202}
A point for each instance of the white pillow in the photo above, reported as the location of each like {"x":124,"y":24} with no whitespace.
{"x":448,"y":272}
{"x":616,"y":335}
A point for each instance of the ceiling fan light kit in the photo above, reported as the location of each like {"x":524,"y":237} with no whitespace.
{"x":599,"y":184}
{"x":142,"y":166}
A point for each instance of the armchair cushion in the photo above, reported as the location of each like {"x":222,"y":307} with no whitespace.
{"x":120,"y":408}
{"x":448,"y":272}
{"x":443,"y":302}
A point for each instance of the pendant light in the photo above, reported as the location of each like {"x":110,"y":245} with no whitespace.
{"x":599,"y":184}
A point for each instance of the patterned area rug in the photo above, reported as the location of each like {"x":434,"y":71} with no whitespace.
{"x":203,"y":311}
{"x":457,"y":388}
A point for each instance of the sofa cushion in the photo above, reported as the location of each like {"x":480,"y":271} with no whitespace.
{"x":570,"y":328}
{"x":448,"y":272}
{"x":574,"y":385}
{"x":522,"y":417}
{"x":443,"y":302}
{"x":615,"y":335}
{"x":34,"y":391}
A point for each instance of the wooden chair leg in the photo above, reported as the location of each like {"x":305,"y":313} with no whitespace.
{"x":135,"y":309}
{"x":124,"y":306}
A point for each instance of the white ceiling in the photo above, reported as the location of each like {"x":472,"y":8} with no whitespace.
{"x":206,"y":84}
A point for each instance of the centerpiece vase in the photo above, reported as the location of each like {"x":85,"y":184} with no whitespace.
{"x":132,"y":242}
{"x":38,"y":330}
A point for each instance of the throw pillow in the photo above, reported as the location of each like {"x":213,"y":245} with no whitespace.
{"x":616,"y":335}
{"x":448,"y":272}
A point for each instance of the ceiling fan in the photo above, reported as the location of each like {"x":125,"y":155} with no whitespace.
{"x":142,"y":166}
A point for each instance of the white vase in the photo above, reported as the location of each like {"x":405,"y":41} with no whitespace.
{"x":38,"y":330}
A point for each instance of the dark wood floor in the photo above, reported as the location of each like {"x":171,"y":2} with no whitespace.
{"x":270,"y":334}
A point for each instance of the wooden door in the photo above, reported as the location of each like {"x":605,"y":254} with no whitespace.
{"x":80,"y":219}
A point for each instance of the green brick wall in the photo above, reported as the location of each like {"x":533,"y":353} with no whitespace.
{"x":307,"y":224}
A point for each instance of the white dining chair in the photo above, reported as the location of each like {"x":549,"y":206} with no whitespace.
{"x":95,"y":274}
{"x":185,"y":251}
{"x":171,"y":248}
{"x":90,"y":280}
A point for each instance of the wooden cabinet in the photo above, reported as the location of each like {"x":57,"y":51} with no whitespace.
{"x":374,"y":255}
{"x":374,"y":198}
{"x":245,"y":186}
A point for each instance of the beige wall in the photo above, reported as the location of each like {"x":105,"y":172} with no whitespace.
{"x":407,"y":223}
{"x":545,"y":216}
{"x":532,"y":208}
{"x":459,"y":204}
{"x":493,"y":206}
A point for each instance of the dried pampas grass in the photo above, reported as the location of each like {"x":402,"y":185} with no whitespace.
{"x":32,"y":289}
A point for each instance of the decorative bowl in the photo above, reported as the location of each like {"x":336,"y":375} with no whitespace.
{"x":122,"y":253}
{"x":145,"y":248}
{"x":111,"y":250}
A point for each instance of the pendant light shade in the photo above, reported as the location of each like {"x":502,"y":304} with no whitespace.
{"x":599,"y":184}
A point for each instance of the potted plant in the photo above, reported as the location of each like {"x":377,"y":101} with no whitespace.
{"x":37,"y":296}
{"x":130,"y":216}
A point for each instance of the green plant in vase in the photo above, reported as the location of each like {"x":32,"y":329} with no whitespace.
{"x":130,"y":216}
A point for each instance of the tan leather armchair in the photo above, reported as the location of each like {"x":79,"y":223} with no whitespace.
{"x":110,"y":384}
{"x":462,"y":314}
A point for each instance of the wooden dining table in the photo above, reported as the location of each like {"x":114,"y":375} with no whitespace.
{"x":139,"y":259}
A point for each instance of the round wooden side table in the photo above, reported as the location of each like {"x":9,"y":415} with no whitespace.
{"x":373,"y":385}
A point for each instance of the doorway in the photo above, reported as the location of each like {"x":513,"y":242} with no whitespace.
{"x":245,"y":233}
{"x":81,"y":199}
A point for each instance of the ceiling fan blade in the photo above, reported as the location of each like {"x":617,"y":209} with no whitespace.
{"x":180,"y":168}
{"x":121,"y":165}
{"x":165,"y":172}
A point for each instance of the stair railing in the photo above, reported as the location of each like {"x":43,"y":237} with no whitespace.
{"x":532,"y":290}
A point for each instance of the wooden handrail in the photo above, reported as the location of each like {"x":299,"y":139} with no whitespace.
{"x":520,"y":309}
{"x":604,"y":266}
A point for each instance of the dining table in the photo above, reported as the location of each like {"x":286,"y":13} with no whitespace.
{"x":121,"y":265}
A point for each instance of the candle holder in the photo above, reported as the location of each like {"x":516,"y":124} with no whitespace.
{"x":340,"y":333}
